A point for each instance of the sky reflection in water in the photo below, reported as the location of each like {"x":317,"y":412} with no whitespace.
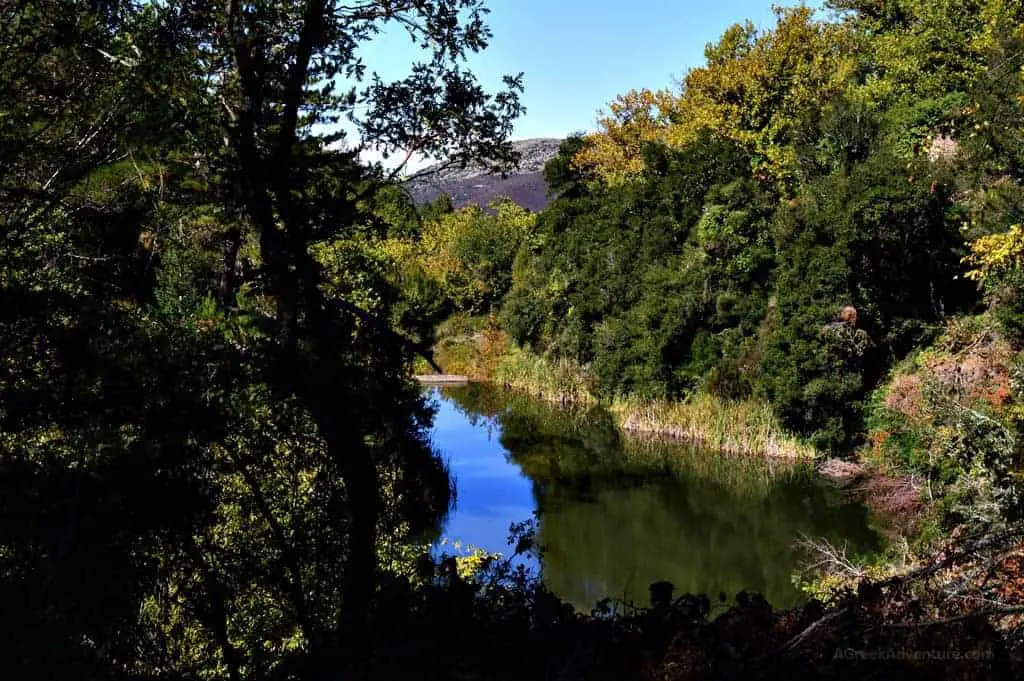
{"x":610,"y":525}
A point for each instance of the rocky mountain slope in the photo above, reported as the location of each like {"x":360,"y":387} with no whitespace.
{"x":474,"y":185}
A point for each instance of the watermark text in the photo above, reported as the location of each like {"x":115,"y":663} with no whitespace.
{"x":908,"y":654}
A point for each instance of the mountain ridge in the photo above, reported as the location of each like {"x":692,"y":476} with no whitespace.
{"x":474,"y":185}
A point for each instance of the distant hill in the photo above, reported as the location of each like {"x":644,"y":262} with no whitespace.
{"x":473,"y":185}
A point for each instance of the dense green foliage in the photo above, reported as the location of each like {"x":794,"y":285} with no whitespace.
{"x":694,"y":276}
{"x":723,"y":264}
{"x":213,"y":463}
{"x":459,"y":260}
{"x":209,"y":446}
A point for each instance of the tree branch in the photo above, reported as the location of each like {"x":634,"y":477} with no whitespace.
{"x":382,"y":326}
{"x":287,"y":550}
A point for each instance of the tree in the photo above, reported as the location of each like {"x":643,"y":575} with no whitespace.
{"x":760,"y":90}
{"x":171,"y":182}
{"x":468,"y":254}
{"x":275,"y":68}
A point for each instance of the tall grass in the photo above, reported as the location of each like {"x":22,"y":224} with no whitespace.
{"x":481,"y":351}
{"x":732,"y":427}
{"x":560,"y":381}
{"x":746,"y":427}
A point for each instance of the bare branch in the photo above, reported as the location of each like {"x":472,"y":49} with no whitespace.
{"x":130,"y":63}
{"x":830,"y":559}
{"x":795,"y":642}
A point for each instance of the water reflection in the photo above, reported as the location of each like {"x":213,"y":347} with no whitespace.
{"x":492,"y":491}
{"x":616,"y":515}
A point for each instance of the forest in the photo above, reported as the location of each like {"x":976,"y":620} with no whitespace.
{"x":215,"y":464}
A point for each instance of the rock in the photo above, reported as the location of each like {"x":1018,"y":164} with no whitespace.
{"x":841,"y":472}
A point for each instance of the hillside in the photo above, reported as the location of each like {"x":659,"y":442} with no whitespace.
{"x":474,"y":185}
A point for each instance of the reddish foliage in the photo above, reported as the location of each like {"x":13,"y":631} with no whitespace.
{"x":981,"y":372}
{"x":906,"y":396}
{"x":1011,"y":572}
{"x":1001,"y":394}
{"x":878,"y":440}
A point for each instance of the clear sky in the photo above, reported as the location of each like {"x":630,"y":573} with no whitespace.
{"x":577,"y":55}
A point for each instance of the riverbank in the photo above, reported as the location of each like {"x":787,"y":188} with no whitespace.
{"x":483,"y":353}
{"x":487,"y":355}
{"x":441,"y":380}
{"x":908,"y":504}
{"x":895,"y":493}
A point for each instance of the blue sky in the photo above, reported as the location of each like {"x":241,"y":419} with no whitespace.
{"x":577,"y":55}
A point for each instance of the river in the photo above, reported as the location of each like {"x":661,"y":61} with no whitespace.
{"x":616,"y":514}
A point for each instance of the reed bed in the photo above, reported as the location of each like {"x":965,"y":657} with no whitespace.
{"x":731,"y":427}
{"x":559,"y":381}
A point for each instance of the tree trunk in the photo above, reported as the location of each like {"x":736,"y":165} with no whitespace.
{"x":227,"y":288}
{"x":356,"y":465}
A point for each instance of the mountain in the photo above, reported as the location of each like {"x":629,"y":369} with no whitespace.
{"x":474,"y":185}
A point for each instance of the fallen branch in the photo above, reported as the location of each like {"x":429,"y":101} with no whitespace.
{"x":1007,"y":610}
{"x":795,"y":642}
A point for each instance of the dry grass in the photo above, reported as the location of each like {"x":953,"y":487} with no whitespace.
{"x":732,"y":427}
{"x":973,"y":366}
{"x":906,"y":396}
{"x":738,"y":428}
{"x":561,"y":381}
{"x":842,"y":472}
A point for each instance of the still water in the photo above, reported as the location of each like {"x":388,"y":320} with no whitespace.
{"x":616,"y":514}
